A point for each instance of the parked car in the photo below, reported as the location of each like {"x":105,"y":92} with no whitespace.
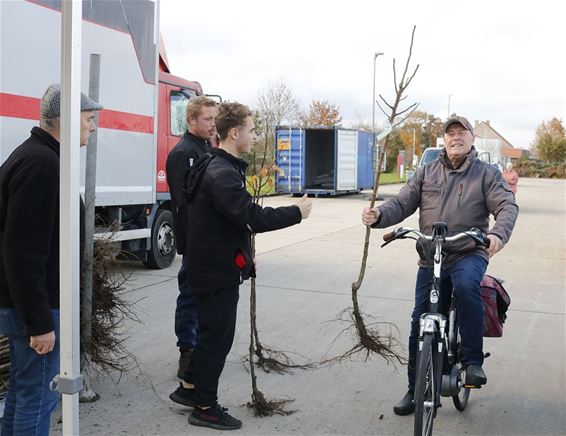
{"x":429,"y":154}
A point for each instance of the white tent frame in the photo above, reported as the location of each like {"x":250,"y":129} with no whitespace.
{"x":69,"y":381}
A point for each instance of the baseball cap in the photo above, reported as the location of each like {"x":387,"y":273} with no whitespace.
{"x":459,"y":120}
{"x":50,"y":105}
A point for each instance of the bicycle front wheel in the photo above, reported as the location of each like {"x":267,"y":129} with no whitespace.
{"x":426,"y":387}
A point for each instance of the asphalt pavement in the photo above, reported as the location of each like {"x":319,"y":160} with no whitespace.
{"x":304,"y":278}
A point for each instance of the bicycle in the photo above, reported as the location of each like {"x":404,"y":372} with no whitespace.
{"x":438,"y":372}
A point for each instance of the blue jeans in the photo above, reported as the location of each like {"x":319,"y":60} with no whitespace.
{"x":186,"y":323}
{"x":464,"y":278}
{"x":29,"y":401}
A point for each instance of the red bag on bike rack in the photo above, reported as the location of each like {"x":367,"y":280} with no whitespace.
{"x":496,"y":301}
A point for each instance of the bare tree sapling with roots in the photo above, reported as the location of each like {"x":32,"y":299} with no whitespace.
{"x":263,"y":357}
{"x":378,"y":337}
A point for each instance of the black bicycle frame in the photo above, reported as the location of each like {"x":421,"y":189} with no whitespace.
{"x":434,"y":322}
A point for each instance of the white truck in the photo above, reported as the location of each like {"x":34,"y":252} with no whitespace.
{"x":143,"y":116}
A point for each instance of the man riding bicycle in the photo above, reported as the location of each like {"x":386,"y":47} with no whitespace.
{"x":462,"y":191}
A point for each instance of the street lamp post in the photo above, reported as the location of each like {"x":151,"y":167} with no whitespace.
{"x":376,"y":54}
{"x":414,"y":147}
{"x":449,"y":98}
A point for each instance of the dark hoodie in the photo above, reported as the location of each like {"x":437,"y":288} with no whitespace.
{"x":222,"y":217}
{"x":462,"y":197}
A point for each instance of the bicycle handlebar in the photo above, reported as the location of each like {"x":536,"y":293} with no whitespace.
{"x":401,"y":232}
{"x":389,"y":237}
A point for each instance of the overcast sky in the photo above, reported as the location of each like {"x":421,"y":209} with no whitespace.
{"x":500,"y":61}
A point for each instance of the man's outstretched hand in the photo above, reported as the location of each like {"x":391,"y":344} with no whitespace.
{"x":305,"y":206}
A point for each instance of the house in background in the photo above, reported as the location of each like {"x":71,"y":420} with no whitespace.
{"x":485,"y":133}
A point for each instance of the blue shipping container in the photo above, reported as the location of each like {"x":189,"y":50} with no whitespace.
{"x":322,"y":160}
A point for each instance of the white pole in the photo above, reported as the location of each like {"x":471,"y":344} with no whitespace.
{"x":414,"y":148}
{"x":70,"y":381}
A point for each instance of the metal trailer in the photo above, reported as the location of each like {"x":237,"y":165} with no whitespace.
{"x":142,"y":120}
{"x":324,"y":161}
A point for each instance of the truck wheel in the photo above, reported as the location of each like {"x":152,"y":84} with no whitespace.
{"x":163,"y":247}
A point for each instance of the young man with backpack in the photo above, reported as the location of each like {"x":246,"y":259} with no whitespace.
{"x":222,"y":217}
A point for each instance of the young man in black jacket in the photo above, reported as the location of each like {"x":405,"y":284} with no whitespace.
{"x":29,"y":266}
{"x":222,"y":217}
{"x":201,"y":115}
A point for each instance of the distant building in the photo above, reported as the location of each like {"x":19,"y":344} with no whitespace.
{"x":491,"y":145}
{"x":492,"y":140}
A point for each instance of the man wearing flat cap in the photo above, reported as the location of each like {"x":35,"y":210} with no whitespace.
{"x":462,"y":191}
{"x":29,"y":265}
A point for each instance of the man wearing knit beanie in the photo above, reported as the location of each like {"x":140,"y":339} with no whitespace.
{"x":29,"y":265}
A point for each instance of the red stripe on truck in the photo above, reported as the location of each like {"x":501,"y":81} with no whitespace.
{"x":18,"y":106}
{"x":109,"y":119}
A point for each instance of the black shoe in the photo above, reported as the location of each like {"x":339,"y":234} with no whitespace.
{"x":184,"y":362}
{"x":183,"y":396}
{"x":215,"y":417}
{"x":406,"y":406}
{"x":475,"y":376}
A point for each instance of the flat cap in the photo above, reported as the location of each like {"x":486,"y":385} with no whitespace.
{"x":458,"y":120}
{"x":50,"y":105}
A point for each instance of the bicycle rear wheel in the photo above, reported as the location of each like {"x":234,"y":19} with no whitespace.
{"x":426,"y":386}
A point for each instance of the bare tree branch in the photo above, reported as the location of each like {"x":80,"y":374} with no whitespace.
{"x":382,"y":110}
{"x":408,"y":59}
{"x":277,"y":105}
{"x":405,"y":117}
{"x":407,"y":109}
{"x":395,"y":78}
{"x":385,"y":101}
{"x":413,"y":75}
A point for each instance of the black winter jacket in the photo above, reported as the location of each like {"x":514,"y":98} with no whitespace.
{"x":181,"y":158}
{"x":222,"y":218}
{"x":29,"y":231}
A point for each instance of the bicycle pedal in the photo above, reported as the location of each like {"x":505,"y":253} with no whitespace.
{"x":472,"y":387}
